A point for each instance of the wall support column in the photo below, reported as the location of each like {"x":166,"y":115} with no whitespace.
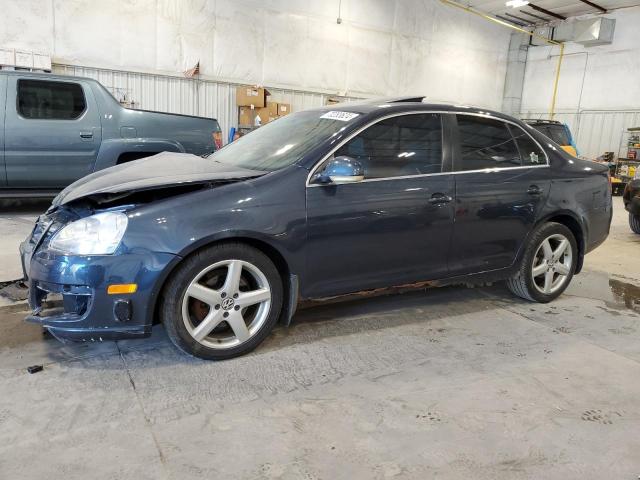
{"x":514,"y":79}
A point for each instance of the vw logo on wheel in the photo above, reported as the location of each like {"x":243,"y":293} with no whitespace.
{"x":227,"y":303}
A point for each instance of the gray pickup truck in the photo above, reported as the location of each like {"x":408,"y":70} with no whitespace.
{"x":57,"y":129}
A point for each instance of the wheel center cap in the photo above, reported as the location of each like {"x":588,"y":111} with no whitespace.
{"x":228,"y":303}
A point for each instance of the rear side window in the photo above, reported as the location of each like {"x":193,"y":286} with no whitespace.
{"x":485,"y":143}
{"x":530,"y":151}
{"x":45,"y":100}
{"x":398,"y":146}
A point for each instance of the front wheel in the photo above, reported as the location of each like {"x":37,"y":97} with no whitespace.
{"x":548,"y":264}
{"x":222,"y":301}
{"x":634,"y":222}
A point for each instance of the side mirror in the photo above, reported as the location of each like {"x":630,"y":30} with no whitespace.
{"x":341,"y":169}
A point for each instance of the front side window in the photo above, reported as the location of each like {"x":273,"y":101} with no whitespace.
{"x":485,"y":143}
{"x":45,"y":100}
{"x":530,"y":151}
{"x":398,"y":146}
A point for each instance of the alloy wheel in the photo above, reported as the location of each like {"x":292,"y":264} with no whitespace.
{"x":552,"y":264}
{"x":226,"y":304}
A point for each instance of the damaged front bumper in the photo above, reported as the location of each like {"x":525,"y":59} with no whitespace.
{"x":86,"y":311}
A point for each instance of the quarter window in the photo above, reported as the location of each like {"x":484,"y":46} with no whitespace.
{"x":486,"y":143}
{"x":44,"y":100}
{"x":398,"y":146}
{"x":530,"y":152}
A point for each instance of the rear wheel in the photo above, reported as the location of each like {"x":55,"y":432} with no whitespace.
{"x":634,"y":222}
{"x":222,"y":301}
{"x":548,"y":264}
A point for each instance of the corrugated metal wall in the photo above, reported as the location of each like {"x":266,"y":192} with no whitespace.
{"x":596,"y":131}
{"x":188,"y":96}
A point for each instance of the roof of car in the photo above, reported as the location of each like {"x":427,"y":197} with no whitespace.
{"x":23,"y":73}
{"x":540,"y":121}
{"x":410,"y":103}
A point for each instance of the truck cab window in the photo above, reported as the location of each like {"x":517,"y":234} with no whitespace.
{"x":44,"y":100}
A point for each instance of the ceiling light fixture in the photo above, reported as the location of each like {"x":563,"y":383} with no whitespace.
{"x":516,"y":3}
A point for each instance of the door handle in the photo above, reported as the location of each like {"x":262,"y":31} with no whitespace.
{"x":86,"y":134}
{"x":534,"y":190}
{"x":439,"y":199}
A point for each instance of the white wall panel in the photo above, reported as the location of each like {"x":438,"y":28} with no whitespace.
{"x":26,"y":25}
{"x":368,"y":66}
{"x":327,"y":45}
{"x":293,"y":44}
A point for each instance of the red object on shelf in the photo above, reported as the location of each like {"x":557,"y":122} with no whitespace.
{"x":631,"y":154}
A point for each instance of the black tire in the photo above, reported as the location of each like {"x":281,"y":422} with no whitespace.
{"x":634,"y":223}
{"x":170,"y":310}
{"x":522,"y":284}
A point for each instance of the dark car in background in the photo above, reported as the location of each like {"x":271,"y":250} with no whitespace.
{"x":56,"y":129}
{"x":316,"y":204}
{"x":631,"y":199}
{"x":557,"y":131}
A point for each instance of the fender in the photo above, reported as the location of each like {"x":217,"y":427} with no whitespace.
{"x":112,"y":148}
{"x":258,"y":240}
{"x":290,"y":279}
{"x":580,"y":220}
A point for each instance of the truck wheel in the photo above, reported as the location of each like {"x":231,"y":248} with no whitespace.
{"x":634,"y":223}
{"x":222,"y":301}
{"x":547,"y":265}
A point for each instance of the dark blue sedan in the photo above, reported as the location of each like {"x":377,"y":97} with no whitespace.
{"x":316,"y":204}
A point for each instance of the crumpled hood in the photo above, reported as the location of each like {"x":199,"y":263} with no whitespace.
{"x":161,"y":170}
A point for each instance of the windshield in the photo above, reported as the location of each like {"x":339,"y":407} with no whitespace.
{"x":284,"y":141}
{"x":557,"y":133}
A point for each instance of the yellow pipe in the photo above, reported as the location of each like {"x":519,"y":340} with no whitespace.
{"x":527,"y":32}
{"x":555,"y":83}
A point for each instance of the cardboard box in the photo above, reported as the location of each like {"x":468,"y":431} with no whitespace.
{"x":284,"y":109}
{"x":247,"y":96}
{"x":273,"y":109}
{"x":265,"y":115}
{"x":246,"y":117}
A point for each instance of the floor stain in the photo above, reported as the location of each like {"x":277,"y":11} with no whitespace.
{"x":623,"y":331}
{"x":609,"y":311}
{"x":431,"y":417}
{"x":626,"y":293}
{"x":598,"y":416}
{"x":562,"y":330}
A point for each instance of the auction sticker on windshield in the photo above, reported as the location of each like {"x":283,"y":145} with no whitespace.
{"x":342,"y":116}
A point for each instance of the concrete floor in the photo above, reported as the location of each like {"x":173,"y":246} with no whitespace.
{"x":17,"y":218}
{"x":447,"y":383}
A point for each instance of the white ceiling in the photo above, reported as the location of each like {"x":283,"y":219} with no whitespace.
{"x":566,"y":8}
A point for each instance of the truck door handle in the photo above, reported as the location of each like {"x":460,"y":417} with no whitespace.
{"x":534,"y":190}
{"x":86,"y":134}
{"x":439,"y":199}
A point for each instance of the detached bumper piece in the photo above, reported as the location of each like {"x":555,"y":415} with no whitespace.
{"x":74,"y":317}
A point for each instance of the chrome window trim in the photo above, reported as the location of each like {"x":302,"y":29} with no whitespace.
{"x":417,"y":112}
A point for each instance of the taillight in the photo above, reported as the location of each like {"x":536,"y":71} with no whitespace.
{"x":217,"y":139}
